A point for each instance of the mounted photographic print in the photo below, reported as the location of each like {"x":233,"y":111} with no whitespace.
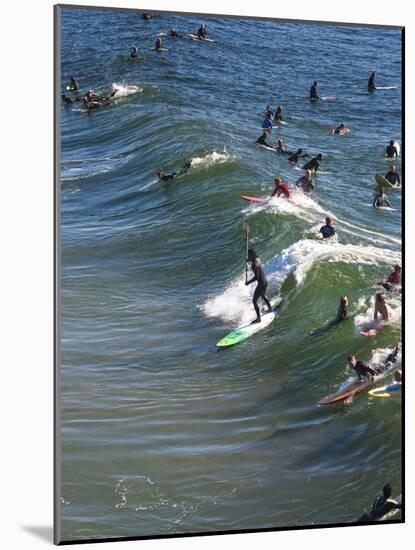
{"x":229,"y":201}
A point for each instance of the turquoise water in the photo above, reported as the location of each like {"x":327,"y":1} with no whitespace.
{"x":161,"y":432}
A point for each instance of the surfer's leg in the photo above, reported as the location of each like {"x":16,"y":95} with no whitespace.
{"x":255,"y":299}
{"x":267,"y":302}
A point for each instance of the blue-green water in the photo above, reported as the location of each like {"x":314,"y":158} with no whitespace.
{"x":161,"y":432}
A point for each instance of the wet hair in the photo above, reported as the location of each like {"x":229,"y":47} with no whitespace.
{"x":351,"y":357}
{"x":251,"y":252}
{"x":319,"y":156}
{"x":299,"y":151}
{"x":343,"y":301}
{"x":398,"y":267}
{"x":315,"y":82}
{"x":277,"y":180}
{"x":329,"y":220}
{"x":387,"y":490}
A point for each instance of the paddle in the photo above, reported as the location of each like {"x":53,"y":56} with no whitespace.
{"x":246,"y":232}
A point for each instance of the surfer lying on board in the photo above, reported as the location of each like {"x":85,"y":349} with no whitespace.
{"x":381,"y":199}
{"x":371,"y":83}
{"x":260,"y":277}
{"x":306,"y":182}
{"x":328,"y":230}
{"x":263,"y":140}
{"x":314,"y":163}
{"x":295,"y":156}
{"x":342,"y":129}
{"x":94,"y":101}
{"x":166,"y":177}
{"x":313,"y":91}
{"x":174,"y":34}
{"x":380,"y":308}
{"x":364,"y":370}
{"x":281,"y":189}
{"x":391,"y":150}
{"x":382,"y":506}
{"x":393,"y":177}
{"x":394,"y":279}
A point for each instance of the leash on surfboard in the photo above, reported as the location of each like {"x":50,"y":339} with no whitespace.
{"x":246,"y":232}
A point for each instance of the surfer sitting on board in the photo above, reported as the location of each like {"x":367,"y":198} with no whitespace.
{"x":306,"y":182}
{"x":371,"y":83}
{"x":166,"y":177}
{"x":135,"y":53}
{"x":393,"y":177}
{"x":295,"y":156}
{"x":380,"y":308}
{"x":263,"y":140}
{"x":314,"y":163}
{"x":381,"y":200}
{"x":393,"y":280}
{"x":159,"y":43}
{"x":278,"y":114}
{"x":313,"y":91}
{"x":73,"y":85}
{"x":260,"y":277}
{"x":391,"y":150}
{"x":382,"y":506}
{"x":328,"y":230}
{"x":281,"y":189}
{"x":201,"y":33}
{"x":267,"y":124}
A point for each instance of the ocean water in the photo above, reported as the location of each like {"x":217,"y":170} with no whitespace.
{"x":162,"y":433}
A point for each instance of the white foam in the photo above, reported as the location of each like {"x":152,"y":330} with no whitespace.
{"x":234,"y":304}
{"x":211,"y":158}
{"x":125,"y":90}
{"x":365,"y":319}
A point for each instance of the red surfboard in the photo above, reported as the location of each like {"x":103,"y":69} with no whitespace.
{"x":252,"y":199}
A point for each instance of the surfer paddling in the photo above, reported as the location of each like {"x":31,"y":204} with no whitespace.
{"x":295,"y":156}
{"x":261,"y":279}
{"x":364,"y":370}
{"x":314,"y":163}
{"x":342,"y":129}
{"x":342,"y":310}
{"x":382,"y":506}
{"x":167,"y":177}
{"x":281,"y":189}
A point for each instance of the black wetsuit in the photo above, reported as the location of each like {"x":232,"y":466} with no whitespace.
{"x":327,"y":231}
{"x":262,"y":140}
{"x":306,"y":185}
{"x":380,"y":201}
{"x":393,"y":178}
{"x":371,"y":84}
{"x":314,"y":164}
{"x":380,"y":508}
{"x":201,"y":33}
{"x":278,"y":115}
{"x":313,"y":92}
{"x":341,"y":314}
{"x":175,"y":34}
{"x":295,"y":156}
{"x":260,"y":277}
{"x":391,"y":151}
{"x":74,"y":86}
{"x":168,"y":177}
{"x":67,"y":100}
{"x":363,"y":370}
